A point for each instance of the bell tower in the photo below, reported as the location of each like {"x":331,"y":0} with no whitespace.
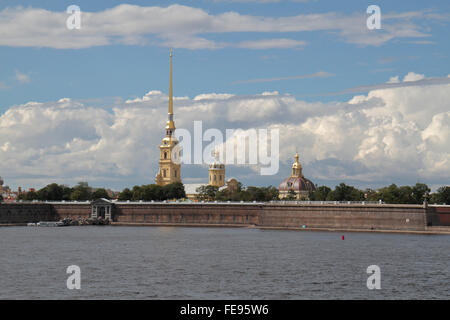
{"x":216,"y":172}
{"x":169,"y":153}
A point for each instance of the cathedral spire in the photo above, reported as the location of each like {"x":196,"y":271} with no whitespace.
{"x":170,"y":125}
{"x":170,"y":88}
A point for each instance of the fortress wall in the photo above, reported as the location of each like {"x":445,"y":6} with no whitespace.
{"x":341,"y":216}
{"x":439,"y":215}
{"x":26,"y":212}
{"x":188,"y":213}
{"x":382,"y":217}
{"x":71,"y":210}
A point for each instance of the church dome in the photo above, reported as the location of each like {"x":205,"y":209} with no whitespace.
{"x":296,"y":184}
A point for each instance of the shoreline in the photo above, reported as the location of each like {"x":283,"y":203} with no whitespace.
{"x":438,"y":230}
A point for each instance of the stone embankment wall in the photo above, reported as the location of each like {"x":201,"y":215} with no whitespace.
{"x":239,"y":214}
{"x":72,"y":210}
{"x":277,"y":215}
{"x":341,"y":216}
{"x":26,"y":212}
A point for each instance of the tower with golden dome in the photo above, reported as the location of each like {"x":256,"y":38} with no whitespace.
{"x":296,"y":182}
{"x":169,"y":154}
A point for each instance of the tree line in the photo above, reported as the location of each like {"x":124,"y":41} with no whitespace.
{"x":153,"y":192}
{"x":260,"y":194}
{"x":391,"y":194}
{"x":58,"y":192}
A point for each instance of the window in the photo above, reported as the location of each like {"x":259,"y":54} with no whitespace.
{"x":165,"y":155}
{"x":175,"y":173}
{"x":220,"y":177}
{"x":215,"y":178}
{"x":164,"y":173}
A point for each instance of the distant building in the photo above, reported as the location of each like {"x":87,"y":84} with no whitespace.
{"x":232,"y":185}
{"x":296,"y":184}
{"x":216,"y":172}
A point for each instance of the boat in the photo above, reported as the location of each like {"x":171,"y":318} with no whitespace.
{"x":50,"y":224}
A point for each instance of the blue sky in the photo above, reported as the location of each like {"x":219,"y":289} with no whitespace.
{"x":35,"y":68}
{"x":127,"y":71}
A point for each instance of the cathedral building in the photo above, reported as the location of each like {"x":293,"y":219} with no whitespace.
{"x":169,"y":155}
{"x":296,"y":184}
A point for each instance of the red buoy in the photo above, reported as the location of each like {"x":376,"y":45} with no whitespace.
{"x":343,"y":238}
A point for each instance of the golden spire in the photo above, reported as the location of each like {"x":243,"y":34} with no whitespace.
{"x":170,"y":125}
{"x":170,"y":87}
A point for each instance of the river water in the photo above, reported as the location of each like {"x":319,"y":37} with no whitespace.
{"x":219,"y":263}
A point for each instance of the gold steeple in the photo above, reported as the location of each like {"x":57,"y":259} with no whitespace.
{"x":170,"y":125}
{"x":169,"y":160}
{"x":297,"y":167}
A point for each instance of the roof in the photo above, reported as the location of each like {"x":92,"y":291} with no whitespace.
{"x":191,"y":188}
{"x":296,"y":184}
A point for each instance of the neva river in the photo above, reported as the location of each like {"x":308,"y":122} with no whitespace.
{"x":219,"y":263}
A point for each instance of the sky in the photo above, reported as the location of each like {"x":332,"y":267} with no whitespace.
{"x":364,"y":107}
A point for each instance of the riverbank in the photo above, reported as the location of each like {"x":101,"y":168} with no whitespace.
{"x":429,"y":231}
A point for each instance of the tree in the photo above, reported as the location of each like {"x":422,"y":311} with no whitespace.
{"x":419,"y":192}
{"x":100,"y":193}
{"x":343,"y":192}
{"x":125,"y":195}
{"x":441,"y":196}
{"x":174,"y":191}
{"x":1,"y":198}
{"x":54,"y":192}
{"x":207,"y":192}
{"x":81,"y":192}
{"x":320,"y":194}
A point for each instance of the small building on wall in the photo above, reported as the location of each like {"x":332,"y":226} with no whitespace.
{"x":296,"y":185}
{"x":102,"y":208}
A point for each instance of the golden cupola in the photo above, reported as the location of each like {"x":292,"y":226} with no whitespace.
{"x":297,"y":167}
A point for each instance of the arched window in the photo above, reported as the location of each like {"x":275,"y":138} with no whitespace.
{"x":165,"y":155}
{"x":175,"y":173}
{"x":164,"y":173}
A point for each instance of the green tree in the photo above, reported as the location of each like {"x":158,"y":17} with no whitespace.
{"x":54,"y":192}
{"x":125,"y":195}
{"x":441,"y":196}
{"x":99,"y":194}
{"x":138,"y":193}
{"x":320,"y":194}
{"x":207,"y":192}
{"x":174,"y":191}
{"x":343,"y":192}
{"x":81,"y":192}
{"x":419,"y":192}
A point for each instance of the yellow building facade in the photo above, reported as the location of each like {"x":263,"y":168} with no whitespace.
{"x":216,"y":172}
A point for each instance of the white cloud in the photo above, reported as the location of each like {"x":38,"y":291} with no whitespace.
{"x":271,"y":44}
{"x":22,"y":77}
{"x":186,"y":27}
{"x":396,"y":135}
